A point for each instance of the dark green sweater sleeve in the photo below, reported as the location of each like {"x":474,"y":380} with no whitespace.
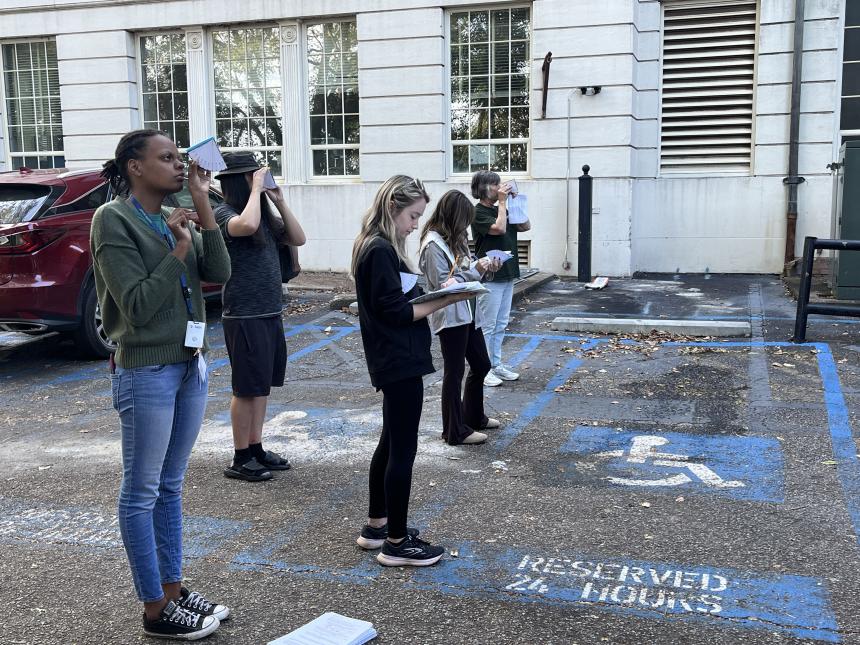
{"x":138,"y":293}
{"x":213,"y":259}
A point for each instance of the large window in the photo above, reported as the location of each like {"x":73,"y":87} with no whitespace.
{"x":164,"y":86}
{"x":849,"y":122}
{"x":707,"y":93}
{"x":33,"y":115}
{"x":489,"y":65}
{"x":247,"y":82}
{"x":333,"y":98}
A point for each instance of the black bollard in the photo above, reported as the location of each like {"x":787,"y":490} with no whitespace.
{"x":584,"y":240}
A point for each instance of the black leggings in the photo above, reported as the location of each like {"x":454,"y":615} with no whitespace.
{"x":460,"y":416}
{"x":391,"y":466}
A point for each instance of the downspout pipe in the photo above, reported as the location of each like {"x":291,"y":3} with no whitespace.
{"x":792,"y":180}
{"x":566,"y":262}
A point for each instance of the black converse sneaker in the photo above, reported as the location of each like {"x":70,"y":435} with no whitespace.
{"x":372,"y":538}
{"x":409,"y":552}
{"x":195,"y":602}
{"x":180,"y":624}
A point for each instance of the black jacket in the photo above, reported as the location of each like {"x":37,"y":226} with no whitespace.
{"x":395,"y":346}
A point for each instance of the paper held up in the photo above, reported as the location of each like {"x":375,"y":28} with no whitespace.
{"x":502,"y":256}
{"x":207,"y":155}
{"x":269,"y":181}
{"x":460,"y":287}
{"x":329,"y":629}
{"x":518,"y":209}
{"x":407,"y":281}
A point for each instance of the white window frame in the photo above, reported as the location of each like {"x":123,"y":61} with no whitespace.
{"x":139,"y":66}
{"x":306,"y":112}
{"x":449,"y":149}
{"x":4,"y":117}
{"x":715,"y":172}
{"x":210,"y":62}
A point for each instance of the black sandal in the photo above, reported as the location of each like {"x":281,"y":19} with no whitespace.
{"x":274,"y":461}
{"x":251,"y":471}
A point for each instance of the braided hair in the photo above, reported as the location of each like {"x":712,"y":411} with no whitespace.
{"x":131,"y":146}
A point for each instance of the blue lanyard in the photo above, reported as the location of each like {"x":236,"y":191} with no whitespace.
{"x":168,"y":238}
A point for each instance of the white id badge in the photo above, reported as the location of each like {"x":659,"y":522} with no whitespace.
{"x":194,"y":334}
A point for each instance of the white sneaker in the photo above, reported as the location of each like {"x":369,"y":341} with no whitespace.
{"x":505,"y":374}
{"x":491,"y":380}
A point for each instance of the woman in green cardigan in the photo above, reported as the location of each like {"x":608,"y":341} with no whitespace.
{"x":148,"y":262}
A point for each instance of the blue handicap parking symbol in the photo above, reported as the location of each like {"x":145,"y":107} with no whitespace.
{"x":747,"y":468}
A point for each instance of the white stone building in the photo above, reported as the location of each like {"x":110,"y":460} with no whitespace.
{"x":687,"y":139}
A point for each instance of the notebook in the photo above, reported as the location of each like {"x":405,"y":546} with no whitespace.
{"x":460,"y":287}
{"x":329,"y":629}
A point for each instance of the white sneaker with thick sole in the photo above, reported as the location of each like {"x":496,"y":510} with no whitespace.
{"x":505,"y":374}
{"x":491,"y":380}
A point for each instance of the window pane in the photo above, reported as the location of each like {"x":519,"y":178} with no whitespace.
{"x":479,"y":90}
{"x":317,"y":130}
{"x":461,"y":158}
{"x":459,"y":28}
{"x":499,"y":158}
{"x":499,"y":123}
{"x":181,"y":136}
{"x":500,"y":25}
{"x":320,"y":165}
{"x":519,"y":24}
{"x":9,"y":60}
{"x":334,"y":129}
{"x":519,"y":123}
{"x":351,"y":128}
{"x":478,"y":31}
{"x":334,"y":101}
{"x":460,"y":125}
{"x":478,"y":158}
{"x":479,"y":121}
{"x":350,"y":99}
{"x":518,"y":157}
{"x":479,"y":59}
{"x":335,"y":162}
{"x":352,"y":161}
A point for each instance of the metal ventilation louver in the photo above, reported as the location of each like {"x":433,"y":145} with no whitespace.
{"x":708,"y":79}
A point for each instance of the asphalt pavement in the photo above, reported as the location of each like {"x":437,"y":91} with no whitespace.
{"x":647,"y":489}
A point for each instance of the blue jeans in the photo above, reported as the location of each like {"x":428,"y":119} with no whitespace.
{"x":496,"y":309}
{"x":160,"y":411}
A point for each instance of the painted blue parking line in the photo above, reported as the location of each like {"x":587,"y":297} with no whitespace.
{"x":738,"y":467}
{"x":512,"y":430}
{"x":527,"y":350}
{"x":295,"y":331}
{"x":37,"y":523}
{"x":841,"y":436}
{"x":793,"y":605}
{"x":341,"y":332}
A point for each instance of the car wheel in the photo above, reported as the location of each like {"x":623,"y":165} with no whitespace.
{"x":90,"y":337}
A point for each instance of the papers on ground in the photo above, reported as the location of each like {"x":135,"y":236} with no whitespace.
{"x":329,"y":629}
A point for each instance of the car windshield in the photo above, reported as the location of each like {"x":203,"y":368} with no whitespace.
{"x":19,"y":203}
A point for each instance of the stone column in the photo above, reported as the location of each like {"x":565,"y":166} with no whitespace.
{"x":201,"y":124}
{"x":294,"y":93}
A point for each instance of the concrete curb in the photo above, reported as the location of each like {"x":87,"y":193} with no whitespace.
{"x":521,"y":288}
{"x":723,"y":328}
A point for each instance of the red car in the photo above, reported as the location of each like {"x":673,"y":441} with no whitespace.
{"x":46,"y":275}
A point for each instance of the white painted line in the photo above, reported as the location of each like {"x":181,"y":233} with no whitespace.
{"x":645,"y":326}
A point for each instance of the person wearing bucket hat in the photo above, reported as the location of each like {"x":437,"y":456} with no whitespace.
{"x":253,"y":326}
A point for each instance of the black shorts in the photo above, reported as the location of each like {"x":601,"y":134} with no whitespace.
{"x":258,"y":354}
